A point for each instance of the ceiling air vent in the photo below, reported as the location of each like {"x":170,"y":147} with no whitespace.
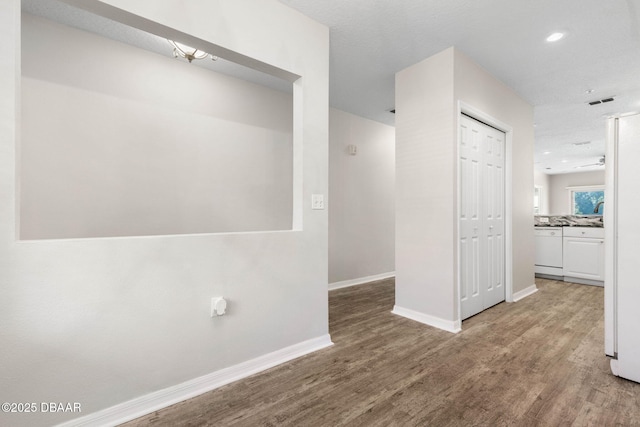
{"x":602,"y":101}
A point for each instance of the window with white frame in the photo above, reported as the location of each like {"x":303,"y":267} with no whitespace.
{"x":537,"y":199}
{"x":587,"y":200}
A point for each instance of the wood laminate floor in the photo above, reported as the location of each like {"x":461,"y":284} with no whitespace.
{"x":538,"y":362}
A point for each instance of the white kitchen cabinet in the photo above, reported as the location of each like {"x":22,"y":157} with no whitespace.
{"x":583,"y":253}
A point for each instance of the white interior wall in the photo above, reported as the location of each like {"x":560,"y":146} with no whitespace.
{"x":159,"y":146}
{"x":361,"y":209}
{"x":542,"y":180}
{"x":426,"y":174}
{"x":103,"y":321}
{"x":559,"y":195}
{"x":425,"y":187}
{"x":476,"y":87}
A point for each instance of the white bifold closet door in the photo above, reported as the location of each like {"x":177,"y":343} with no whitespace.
{"x":481,"y":210}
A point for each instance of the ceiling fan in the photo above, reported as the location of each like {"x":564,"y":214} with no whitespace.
{"x":601,"y":162}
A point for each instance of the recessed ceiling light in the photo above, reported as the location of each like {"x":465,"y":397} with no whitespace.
{"x":589,"y":91}
{"x":555,"y":37}
{"x":565,"y":161}
{"x":547,"y":152}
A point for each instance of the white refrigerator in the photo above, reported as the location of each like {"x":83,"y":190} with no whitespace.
{"x":622,"y":246}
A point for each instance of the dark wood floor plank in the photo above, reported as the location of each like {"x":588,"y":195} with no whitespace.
{"x":538,"y":362}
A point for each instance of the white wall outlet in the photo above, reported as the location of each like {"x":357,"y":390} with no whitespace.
{"x":218,"y":306}
{"x":317,"y":201}
{"x":543,"y":220}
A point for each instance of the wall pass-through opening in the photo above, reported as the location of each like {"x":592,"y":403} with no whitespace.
{"x":119,"y":138}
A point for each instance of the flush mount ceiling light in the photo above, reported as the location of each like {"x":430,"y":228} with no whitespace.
{"x":555,"y":37}
{"x":188,"y":52}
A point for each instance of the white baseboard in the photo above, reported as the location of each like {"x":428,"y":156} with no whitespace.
{"x":525,"y":293}
{"x":360,"y":280}
{"x":436,"y":322}
{"x":584,"y":281}
{"x":144,"y":405}
{"x":554,"y":271}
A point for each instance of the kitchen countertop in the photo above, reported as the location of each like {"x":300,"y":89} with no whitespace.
{"x":569,"y":221}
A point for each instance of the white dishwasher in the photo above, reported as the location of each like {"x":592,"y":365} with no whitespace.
{"x":548,"y":251}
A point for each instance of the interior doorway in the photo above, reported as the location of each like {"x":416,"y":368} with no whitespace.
{"x":482,"y":153}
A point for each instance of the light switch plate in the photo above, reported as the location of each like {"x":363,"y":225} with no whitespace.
{"x":317,"y":201}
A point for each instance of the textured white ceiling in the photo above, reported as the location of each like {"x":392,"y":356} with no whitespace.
{"x":371,"y":40}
